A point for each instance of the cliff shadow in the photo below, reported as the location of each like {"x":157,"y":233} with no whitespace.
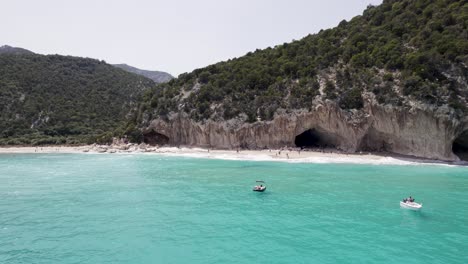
{"x":314,"y":138}
{"x":154,"y":138}
{"x":375,"y":141}
{"x":460,"y":146}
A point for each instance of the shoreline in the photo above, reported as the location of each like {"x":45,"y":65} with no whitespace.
{"x":291,"y":156}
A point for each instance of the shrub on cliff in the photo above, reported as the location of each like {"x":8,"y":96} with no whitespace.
{"x":418,"y":45}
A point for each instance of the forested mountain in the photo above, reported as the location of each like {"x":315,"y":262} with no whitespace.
{"x":61,"y":99}
{"x":156,"y":76}
{"x":402,"y":52}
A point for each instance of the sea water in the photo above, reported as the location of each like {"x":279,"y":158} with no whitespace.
{"x":95,"y":208}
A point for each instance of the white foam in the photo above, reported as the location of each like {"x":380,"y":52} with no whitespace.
{"x":223,"y":156}
{"x":354,"y":159}
{"x":308,"y":157}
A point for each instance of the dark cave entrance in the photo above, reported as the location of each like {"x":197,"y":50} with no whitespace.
{"x":154,"y":138}
{"x":313,"y":138}
{"x":374,"y":141}
{"x":460,"y":146}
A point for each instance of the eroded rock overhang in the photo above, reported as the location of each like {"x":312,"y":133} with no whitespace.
{"x":414,"y":132}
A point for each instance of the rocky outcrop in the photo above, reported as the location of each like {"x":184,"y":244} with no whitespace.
{"x":416,"y":131}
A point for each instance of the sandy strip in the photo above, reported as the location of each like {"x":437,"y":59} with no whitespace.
{"x":47,"y":149}
{"x":273,"y":154}
{"x":291,"y":156}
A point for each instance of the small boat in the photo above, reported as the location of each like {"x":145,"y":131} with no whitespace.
{"x":259,"y":187}
{"x":410,"y":205}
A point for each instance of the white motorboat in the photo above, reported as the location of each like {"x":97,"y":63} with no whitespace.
{"x":259,"y":188}
{"x":410,"y":205}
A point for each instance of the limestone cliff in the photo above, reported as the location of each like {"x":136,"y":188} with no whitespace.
{"x":416,"y":132}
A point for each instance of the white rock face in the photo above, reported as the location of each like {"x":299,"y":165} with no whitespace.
{"x":416,"y":132}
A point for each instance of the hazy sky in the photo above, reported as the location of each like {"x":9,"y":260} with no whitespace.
{"x":173,"y":35}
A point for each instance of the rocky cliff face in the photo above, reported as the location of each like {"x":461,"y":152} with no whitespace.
{"x":416,"y":131}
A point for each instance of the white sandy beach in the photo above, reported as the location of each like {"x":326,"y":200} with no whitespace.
{"x":292,"y":156}
{"x":46,"y":149}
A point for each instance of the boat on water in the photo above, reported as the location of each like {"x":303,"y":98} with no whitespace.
{"x":410,"y":205}
{"x":259,"y":187}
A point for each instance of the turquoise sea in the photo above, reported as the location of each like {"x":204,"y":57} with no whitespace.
{"x":94,"y":208}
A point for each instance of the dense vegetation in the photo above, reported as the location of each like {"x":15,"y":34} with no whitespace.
{"x":399,"y":52}
{"x":64,"y":100}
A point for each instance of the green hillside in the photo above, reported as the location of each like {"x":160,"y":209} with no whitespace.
{"x":400,"y":52}
{"x":61,"y":99}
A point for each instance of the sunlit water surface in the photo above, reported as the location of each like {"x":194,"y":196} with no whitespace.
{"x":85,"y":208}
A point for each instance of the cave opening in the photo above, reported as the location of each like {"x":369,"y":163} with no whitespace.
{"x":460,"y":146}
{"x":375,"y":141}
{"x":313,"y":138}
{"x":154,"y":138}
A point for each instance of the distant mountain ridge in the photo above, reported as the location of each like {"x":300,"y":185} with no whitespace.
{"x":5,"y":49}
{"x":156,"y":76}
